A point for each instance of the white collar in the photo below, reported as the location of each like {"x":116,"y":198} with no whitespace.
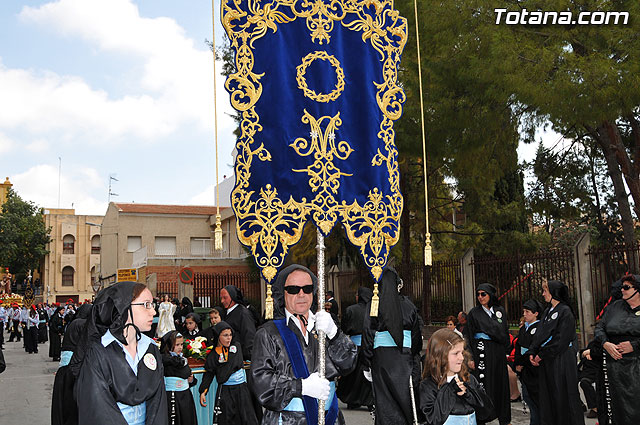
{"x":141,"y":349}
{"x":311,"y":321}
{"x":230,"y":309}
{"x":489,"y":311}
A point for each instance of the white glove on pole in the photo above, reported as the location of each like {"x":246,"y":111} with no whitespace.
{"x":325,"y":323}
{"x":316,"y":387}
{"x":367,"y":375}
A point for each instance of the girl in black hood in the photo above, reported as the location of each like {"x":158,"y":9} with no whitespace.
{"x":553,"y":351}
{"x":177,"y":379}
{"x":487,"y":332}
{"x":225,"y":363}
{"x":120,"y":377}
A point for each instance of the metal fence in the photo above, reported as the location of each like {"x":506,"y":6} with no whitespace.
{"x":519,"y":277}
{"x":168,"y":288}
{"x":443,"y":295}
{"x":207,"y":286}
{"x":607,"y":266}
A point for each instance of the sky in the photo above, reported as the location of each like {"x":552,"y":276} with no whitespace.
{"x":98,"y":88}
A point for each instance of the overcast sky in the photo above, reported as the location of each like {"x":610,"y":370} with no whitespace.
{"x":121,"y":87}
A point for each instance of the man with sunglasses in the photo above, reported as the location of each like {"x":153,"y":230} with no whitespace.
{"x":619,"y":334}
{"x":285,"y":356}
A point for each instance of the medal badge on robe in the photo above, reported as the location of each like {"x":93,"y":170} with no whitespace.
{"x":316,"y":87}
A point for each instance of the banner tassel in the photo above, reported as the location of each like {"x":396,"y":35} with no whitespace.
{"x":375,"y":300}
{"x":268,"y":304}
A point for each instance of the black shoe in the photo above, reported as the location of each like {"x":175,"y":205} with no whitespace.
{"x":352,"y":406}
{"x":515,"y":400}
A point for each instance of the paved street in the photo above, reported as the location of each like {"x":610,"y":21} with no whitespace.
{"x":28,"y":381}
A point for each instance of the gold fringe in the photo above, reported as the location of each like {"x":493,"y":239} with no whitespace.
{"x":268,"y":304}
{"x":218,"y":234}
{"x":428,"y":257}
{"x":375,"y":300}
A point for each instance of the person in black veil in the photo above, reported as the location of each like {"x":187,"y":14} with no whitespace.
{"x":391,"y":345}
{"x":178,"y":378}
{"x":42,"y":325}
{"x":619,"y":335}
{"x":56,"y":329}
{"x":239,"y":317}
{"x":528,"y":374}
{"x":120,"y":372}
{"x":487,"y":331}
{"x":553,"y":350}
{"x":64,"y":410}
{"x":225,"y":363}
{"x":287,"y":389}
{"x":354,"y":389}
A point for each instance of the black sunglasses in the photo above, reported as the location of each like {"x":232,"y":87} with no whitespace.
{"x":482,"y":294}
{"x":626,"y":287}
{"x":294,"y":289}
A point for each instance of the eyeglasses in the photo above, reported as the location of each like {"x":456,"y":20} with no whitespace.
{"x":147,"y":304}
{"x":294,"y":289}
{"x":626,"y":287}
{"x":482,"y":294}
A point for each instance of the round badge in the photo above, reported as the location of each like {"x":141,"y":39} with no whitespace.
{"x":637,"y":313}
{"x":533,"y":331}
{"x":499,"y":314}
{"x":233,"y":349}
{"x":499,"y":320}
{"x":554,"y":316}
{"x":150,"y":361}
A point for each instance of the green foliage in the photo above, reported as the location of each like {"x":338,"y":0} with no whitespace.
{"x":23,"y":235}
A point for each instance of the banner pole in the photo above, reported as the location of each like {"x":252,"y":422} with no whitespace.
{"x":321,"y":336}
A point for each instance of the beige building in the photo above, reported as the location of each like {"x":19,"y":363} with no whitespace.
{"x":4,"y":188}
{"x":73,"y":263}
{"x":158,"y":240}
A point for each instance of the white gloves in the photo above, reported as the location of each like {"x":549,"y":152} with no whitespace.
{"x":325,"y":323}
{"x":367,"y":375}
{"x":316,"y":387}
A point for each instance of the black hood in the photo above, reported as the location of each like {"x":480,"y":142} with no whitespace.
{"x":559,"y":291}
{"x":84,"y":311}
{"x":236,"y":294}
{"x":187,"y":305}
{"x":277,"y":289}
{"x":533,"y":306}
{"x":491,"y":290}
{"x":389,"y":307}
{"x":364,"y":295}
{"x":217,"y":330}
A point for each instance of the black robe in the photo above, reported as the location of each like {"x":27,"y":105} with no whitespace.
{"x":438,"y":403}
{"x":64,"y":410}
{"x":273,"y":380}
{"x":529,"y":373}
{"x":244,"y":328}
{"x":42,"y":327}
{"x":180,"y":404}
{"x":234,"y":401}
{"x":490,"y":357}
{"x":391,"y":367}
{"x":558,"y":395}
{"x":354,"y":389}
{"x":622,"y":323}
{"x":56,"y":329}
{"x":106,"y":378}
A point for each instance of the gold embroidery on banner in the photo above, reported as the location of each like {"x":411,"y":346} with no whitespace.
{"x":302,"y":82}
{"x":265,"y":222}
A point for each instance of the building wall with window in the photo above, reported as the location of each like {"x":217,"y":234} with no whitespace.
{"x":159,"y":239}
{"x":73,"y":262}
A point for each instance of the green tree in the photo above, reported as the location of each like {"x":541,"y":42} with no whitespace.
{"x":23,"y":234}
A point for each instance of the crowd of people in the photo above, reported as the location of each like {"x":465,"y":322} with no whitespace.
{"x":121,"y":357}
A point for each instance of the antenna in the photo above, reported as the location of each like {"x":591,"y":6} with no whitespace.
{"x":59,"y":174}
{"x":112,"y":177}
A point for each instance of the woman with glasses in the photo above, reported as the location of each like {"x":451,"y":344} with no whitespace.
{"x":553,"y":350}
{"x":619,"y":334}
{"x":121,"y":376}
{"x":487,"y":331}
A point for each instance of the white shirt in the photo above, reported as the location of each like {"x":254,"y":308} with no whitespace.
{"x":230,"y":309}
{"x":310,"y":324}
{"x":488,"y":311}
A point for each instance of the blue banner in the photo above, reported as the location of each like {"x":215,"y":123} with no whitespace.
{"x":316,"y":86}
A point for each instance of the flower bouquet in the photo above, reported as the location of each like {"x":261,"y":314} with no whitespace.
{"x":196,"y":351}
